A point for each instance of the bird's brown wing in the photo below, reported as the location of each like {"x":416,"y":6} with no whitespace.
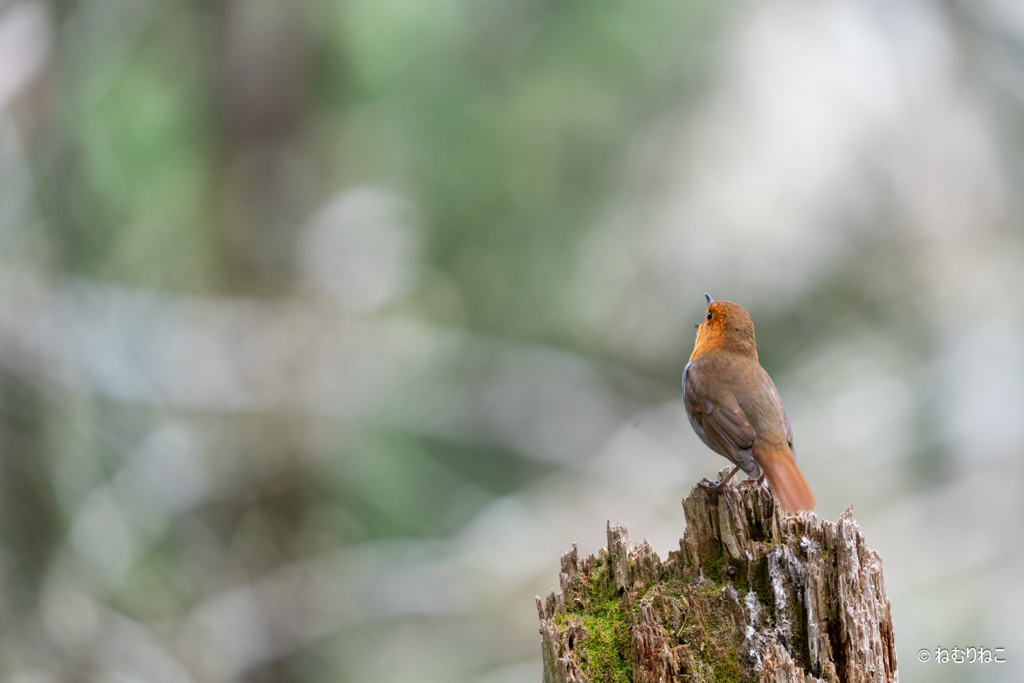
{"x":722,"y":419}
{"x":787,"y":427}
{"x":789,"y":431}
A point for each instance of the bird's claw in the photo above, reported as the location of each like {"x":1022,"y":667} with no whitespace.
{"x":761,"y":484}
{"x":710,"y":485}
{"x":717,"y":487}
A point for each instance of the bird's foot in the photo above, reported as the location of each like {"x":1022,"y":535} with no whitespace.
{"x":760,"y":482}
{"x":714,"y":486}
{"x":719,"y":486}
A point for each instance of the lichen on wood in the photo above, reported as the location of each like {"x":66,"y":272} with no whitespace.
{"x":752,"y":594}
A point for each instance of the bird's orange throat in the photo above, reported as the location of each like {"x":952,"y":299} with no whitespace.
{"x":706,"y":341}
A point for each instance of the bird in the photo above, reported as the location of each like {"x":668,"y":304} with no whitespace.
{"x":736,"y":411}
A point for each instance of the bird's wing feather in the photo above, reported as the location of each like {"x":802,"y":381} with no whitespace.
{"x":723,"y":420}
{"x":789,"y":431}
{"x":787,"y":427}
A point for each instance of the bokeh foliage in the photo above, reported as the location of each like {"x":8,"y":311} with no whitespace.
{"x":178,"y":148}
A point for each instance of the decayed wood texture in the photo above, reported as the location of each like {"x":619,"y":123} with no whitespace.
{"x":752,"y":594}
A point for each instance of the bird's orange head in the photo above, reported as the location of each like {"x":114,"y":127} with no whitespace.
{"x":726,"y":327}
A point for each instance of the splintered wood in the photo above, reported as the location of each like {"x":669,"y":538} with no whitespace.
{"x":752,"y":594}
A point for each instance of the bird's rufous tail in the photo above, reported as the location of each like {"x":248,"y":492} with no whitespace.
{"x":787,"y":483}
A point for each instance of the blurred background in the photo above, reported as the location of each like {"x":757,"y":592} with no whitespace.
{"x":327,"y":326}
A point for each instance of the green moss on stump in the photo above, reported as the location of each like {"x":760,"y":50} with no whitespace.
{"x":607,"y":644}
{"x":706,"y":636}
{"x":605,"y":619}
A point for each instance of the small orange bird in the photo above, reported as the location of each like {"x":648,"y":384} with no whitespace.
{"x":735,"y":409}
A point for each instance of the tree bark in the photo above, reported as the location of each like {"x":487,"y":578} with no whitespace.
{"x":752,"y":594}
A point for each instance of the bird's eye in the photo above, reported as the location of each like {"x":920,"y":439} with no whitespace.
{"x":709,"y":315}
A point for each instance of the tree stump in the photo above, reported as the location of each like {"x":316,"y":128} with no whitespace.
{"x":752,"y":594}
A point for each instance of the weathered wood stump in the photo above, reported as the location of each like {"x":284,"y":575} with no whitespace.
{"x":752,"y":594}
